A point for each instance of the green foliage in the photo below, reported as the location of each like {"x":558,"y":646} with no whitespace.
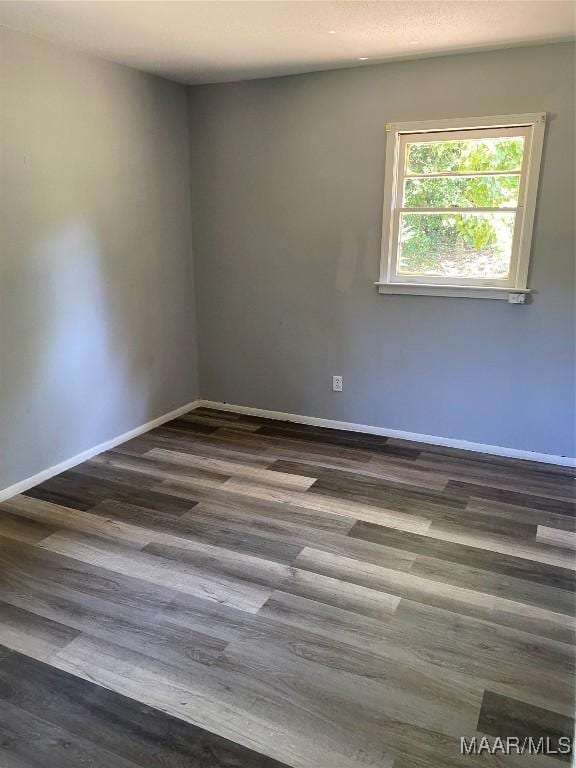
{"x":462,"y":192}
{"x":440,"y":243}
{"x":465,"y":155}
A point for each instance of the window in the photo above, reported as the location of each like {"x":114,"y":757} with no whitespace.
{"x":459,"y":202}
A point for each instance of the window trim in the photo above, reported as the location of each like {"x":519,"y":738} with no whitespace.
{"x":514,"y":288}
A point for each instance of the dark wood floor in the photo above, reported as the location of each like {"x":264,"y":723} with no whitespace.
{"x":227,"y":591}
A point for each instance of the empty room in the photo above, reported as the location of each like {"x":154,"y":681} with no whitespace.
{"x":287,"y":384}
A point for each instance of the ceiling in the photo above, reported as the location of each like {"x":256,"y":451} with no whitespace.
{"x":217,"y":41}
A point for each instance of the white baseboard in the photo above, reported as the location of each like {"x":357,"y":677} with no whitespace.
{"x":494,"y":450}
{"x":46,"y":474}
{"x":448,"y":442}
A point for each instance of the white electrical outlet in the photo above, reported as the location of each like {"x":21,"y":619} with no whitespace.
{"x":516,"y":298}
{"x":336,"y":383}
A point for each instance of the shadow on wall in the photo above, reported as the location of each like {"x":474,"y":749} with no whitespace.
{"x":97,"y":319}
{"x":70,"y":348}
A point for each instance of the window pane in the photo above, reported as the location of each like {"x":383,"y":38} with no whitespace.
{"x":462,"y":192}
{"x":465,"y":155}
{"x":456,"y":244}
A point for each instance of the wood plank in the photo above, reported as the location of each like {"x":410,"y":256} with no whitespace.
{"x":27,"y":571}
{"x":337,"y":437}
{"x":503,"y":543}
{"x":33,"y":635}
{"x":464,"y":573}
{"x":204,"y":528}
{"x":543,"y":503}
{"x":326,"y":599}
{"x":379,"y":692}
{"x":496,"y":656}
{"x":393,"y":472}
{"x":14,"y":527}
{"x":149,"y":469}
{"x":286,"y":446}
{"x":401,"y":584}
{"x":75,"y":520}
{"x":189,"y":428}
{"x":536,"y":621}
{"x":9,"y":760}
{"x":33,"y":739}
{"x":311,"y":500}
{"x":76,"y":490}
{"x":156,"y":570}
{"x":557,"y":537}
{"x":125,"y":728}
{"x":436,"y":643}
{"x":217,"y":560}
{"x":515,"y":514}
{"x":243,"y":518}
{"x":504,"y":716}
{"x":271,"y":515}
{"x":128,"y":626}
{"x":522,"y":477}
{"x":352,"y":597}
{"x":455,"y":551}
{"x":234,"y":705}
{"x":217,"y":422}
{"x":395,"y":496}
{"x":197,"y":445}
{"x":275,"y":478}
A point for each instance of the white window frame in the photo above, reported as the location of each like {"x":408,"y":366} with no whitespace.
{"x":515,"y":287}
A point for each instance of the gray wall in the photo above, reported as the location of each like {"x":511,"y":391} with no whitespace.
{"x":96,"y":295}
{"x":287,"y":196}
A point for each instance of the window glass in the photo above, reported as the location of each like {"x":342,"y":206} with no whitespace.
{"x":456,"y":244}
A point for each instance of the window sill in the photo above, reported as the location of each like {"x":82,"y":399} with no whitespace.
{"x":511,"y":295}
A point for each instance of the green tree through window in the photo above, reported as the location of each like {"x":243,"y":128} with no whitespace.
{"x":448,"y":242}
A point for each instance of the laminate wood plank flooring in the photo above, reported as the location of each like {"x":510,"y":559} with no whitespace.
{"x":227,"y":591}
{"x":53,"y":713}
{"x":521,"y":720}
